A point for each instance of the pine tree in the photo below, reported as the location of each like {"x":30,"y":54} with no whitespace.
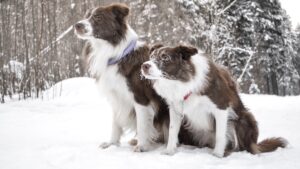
{"x":274,"y":49}
{"x":254,"y":41}
{"x":236,"y":40}
{"x":296,"y":60}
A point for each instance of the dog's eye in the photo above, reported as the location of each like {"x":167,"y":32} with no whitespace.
{"x":165,"y":57}
{"x":152,"y":57}
{"x":97,"y":16}
{"x":155,"y":61}
{"x":159,"y":63}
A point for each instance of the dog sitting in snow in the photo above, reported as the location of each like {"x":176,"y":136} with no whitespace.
{"x":205,"y":97}
{"x":115,"y":56}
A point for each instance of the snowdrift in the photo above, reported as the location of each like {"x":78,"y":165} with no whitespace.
{"x":65,"y":127}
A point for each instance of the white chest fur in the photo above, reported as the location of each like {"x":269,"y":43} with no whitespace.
{"x":198,"y":110}
{"x":113,"y":85}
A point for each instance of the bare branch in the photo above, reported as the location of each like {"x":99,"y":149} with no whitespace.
{"x":245,"y":68}
{"x":225,"y":9}
{"x":47,"y":49}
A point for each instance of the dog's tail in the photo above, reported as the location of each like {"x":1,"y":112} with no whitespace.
{"x":268,"y":145}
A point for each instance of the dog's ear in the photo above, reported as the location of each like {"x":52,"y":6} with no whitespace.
{"x":186,"y":51}
{"x":120,"y":10}
{"x":88,"y":13}
{"x":154,"y":47}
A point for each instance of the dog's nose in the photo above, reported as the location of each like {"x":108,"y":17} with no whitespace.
{"x":146,"y":67}
{"x":78,"y":26}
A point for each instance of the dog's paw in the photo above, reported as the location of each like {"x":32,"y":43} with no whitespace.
{"x":169,"y":152}
{"x":218,"y":154}
{"x":107,"y":144}
{"x":133,"y":142}
{"x":141,"y":148}
{"x":138,"y":148}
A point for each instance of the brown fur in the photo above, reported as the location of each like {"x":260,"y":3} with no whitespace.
{"x":176,"y":66}
{"x":112,"y":18}
{"x":109,"y":23}
{"x":145,"y":94}
{"x":142,"y":89}
{"x":221,"y":84}
{"x":270,"y":144}
{"x":222,"y":91}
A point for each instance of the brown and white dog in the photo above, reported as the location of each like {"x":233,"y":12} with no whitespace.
{"x":206,"y":98}
{"x":115,"y":56}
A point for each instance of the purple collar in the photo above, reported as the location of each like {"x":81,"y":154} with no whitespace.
{"x":127,"y":50}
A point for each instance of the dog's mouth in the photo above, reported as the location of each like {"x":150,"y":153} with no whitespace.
{"x":145,"y":74}
{"x":148,"y":72}
{"x":81,"y":30}
{"x":81,"y":33}
{"x":148,"y":75}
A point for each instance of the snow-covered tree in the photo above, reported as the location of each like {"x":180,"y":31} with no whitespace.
{"x":253,"y":38}
{"x":274,"y":49}
{"x":296,"y":37}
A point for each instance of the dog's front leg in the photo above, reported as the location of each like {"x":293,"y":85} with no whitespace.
{"x":175,"y":122}
{"x":221,"y":117}
{"x":116,"y":133}
{"x":146,"y":133}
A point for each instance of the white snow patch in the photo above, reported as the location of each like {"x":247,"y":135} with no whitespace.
{"x":17,"y":68}
{"x":73,"y":5}
{"x":65,"y":128}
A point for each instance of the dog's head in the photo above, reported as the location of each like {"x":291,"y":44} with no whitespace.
{"x":173,"y":63}
{"x":107,"y":23}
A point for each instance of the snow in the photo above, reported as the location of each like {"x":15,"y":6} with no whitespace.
{"x":226,"y":8}
{"x":267,"y":37}
{"x":64,"y":129}
{"x":73,"y":5}
{"x":190,"y":5}
{"x":148,"y":9}
{"x":291,"y":6}
{"x":17,"y":68}
{"x":254,"y":89}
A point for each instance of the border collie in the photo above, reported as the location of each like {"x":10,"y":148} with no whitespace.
{"x":206,"y":98}
{"x":115,"y":56}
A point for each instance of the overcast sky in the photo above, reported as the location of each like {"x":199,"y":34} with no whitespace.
{"x":293,"y":9}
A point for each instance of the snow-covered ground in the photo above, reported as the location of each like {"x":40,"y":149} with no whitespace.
{"x":64,"y":130}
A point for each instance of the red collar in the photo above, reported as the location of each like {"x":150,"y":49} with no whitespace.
{"x":187,"y":96}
